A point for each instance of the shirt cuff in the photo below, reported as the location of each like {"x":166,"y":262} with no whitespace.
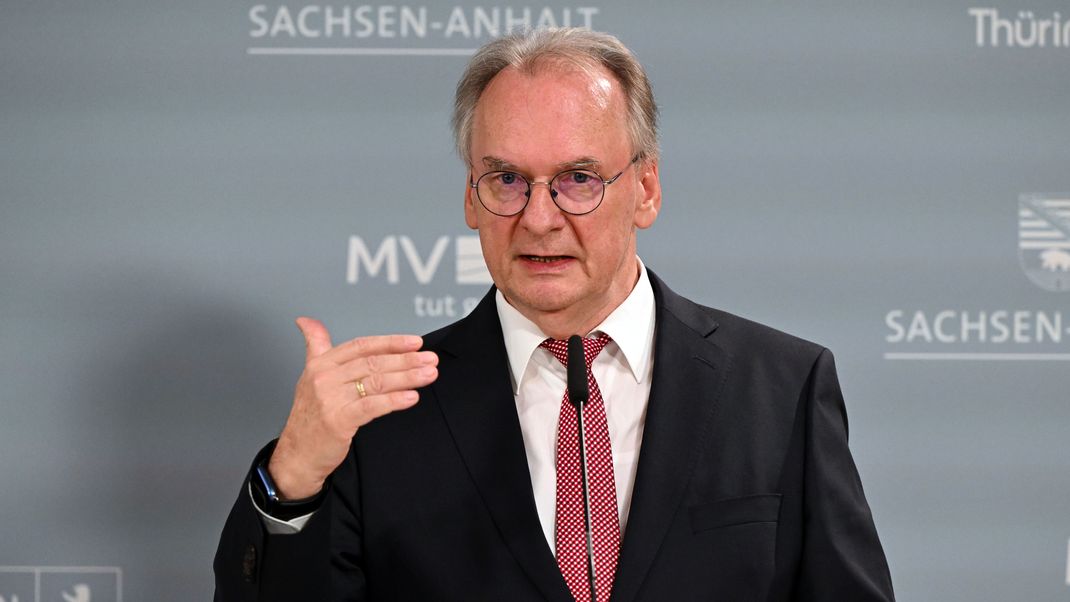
{"x":275,"y":526}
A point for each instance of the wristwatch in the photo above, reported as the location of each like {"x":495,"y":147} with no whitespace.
{"x":266,"y":494}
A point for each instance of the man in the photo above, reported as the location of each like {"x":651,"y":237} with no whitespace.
{"x":716,"y":448}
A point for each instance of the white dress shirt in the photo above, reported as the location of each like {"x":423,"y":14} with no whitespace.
{"x":623,"y":371}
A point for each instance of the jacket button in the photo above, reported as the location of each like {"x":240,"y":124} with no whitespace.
{"x":248,"y":563}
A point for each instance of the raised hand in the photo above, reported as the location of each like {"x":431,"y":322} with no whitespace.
{"x":341,"y":389}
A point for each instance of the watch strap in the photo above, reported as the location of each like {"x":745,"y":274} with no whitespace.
{"x":266,"y":493}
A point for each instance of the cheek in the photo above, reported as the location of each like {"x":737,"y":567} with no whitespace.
{"x":494,"y":237}
{"x":621,"y":223}
{"x":605,"y":240}
{"x":608,"y":239}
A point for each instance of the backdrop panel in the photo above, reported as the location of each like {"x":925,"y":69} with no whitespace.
{"x":178,"y":181}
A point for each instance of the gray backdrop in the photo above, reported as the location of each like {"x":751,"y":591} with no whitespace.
{"x":178,"y":181}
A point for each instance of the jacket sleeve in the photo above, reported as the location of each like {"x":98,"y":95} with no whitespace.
{"x":842,"y":557}
{"x":321,"y":562}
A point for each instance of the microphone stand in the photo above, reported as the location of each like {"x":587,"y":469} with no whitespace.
{"x":578,"y":394}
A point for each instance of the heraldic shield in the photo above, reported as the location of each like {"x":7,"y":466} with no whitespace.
{"x":1044,"y":239}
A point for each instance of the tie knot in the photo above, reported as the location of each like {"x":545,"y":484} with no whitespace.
{"x":591,"y":348}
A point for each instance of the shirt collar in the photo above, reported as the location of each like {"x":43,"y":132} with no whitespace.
{"x":630,"y":325}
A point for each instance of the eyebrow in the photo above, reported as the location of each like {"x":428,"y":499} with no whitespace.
{"x":493,"y":163}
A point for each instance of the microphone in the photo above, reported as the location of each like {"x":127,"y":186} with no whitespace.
{"x":578,"y":394}
{"x":577,"y":371}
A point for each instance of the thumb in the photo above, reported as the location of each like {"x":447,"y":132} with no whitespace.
{"x":317,"y":339}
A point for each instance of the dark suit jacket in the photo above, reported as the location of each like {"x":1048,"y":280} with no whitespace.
{"x":745,"y":488}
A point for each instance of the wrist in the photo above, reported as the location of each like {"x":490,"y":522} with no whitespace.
{"x":270,"y":498}
{"x":293,"y":481}
{"x":291,"y":484}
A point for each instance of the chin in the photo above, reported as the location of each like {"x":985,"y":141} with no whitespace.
{"x":542,"y":300}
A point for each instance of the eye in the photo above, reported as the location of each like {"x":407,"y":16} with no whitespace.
{"x":503,"y":186}
{"x":578,"y":179}
{"x":507,"y":180}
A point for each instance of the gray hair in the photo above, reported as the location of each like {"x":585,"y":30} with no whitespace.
{"x":584,"y":49}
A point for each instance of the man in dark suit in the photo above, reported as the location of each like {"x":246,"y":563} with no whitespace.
{"x":717,"y":447}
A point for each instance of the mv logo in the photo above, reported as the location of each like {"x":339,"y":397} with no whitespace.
{"x":1044,"y":239}
{"x":361,"y":261}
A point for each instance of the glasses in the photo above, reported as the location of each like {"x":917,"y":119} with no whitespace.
{"x":574,"y":191}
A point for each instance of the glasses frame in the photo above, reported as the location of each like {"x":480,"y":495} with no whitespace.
{"x":474,"y":184}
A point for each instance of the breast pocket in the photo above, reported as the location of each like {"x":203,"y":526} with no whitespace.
{"x":745,"y":510}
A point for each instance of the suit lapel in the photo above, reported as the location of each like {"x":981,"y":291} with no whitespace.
{"x":688,"y":374}
{"x":474,"y":393}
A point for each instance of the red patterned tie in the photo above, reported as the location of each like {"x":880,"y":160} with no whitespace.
{"x":570,"y":533}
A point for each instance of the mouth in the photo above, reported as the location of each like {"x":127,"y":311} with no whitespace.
{"x":545,"y":258}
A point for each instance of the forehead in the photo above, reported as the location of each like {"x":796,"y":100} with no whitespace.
{"x":550,"y":115}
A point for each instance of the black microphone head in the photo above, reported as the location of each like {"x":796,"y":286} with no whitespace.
{"x":577,"y":371}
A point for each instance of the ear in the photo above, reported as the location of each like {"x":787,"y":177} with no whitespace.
{"x":649,"y":194}
{"x":470,"y":202}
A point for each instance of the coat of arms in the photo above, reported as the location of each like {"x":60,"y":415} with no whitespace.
{"x":1044,"y":239}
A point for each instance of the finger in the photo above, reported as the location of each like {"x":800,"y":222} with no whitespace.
{"x":363,"y":367}
{"x":391,"y":382}
{"x":375,"y":345}
{"x":317,"y":339}
{"x":362,"y":411}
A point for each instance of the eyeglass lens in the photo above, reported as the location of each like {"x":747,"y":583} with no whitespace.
{"x":506,"y":192}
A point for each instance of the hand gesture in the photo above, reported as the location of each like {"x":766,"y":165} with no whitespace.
{"x":341,"y":389}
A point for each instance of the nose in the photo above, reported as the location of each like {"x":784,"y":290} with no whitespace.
{"x":541,"y":214}
{"x":548,"y":185}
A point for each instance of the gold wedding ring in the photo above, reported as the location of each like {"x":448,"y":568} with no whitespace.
{"x":360,"y":388}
